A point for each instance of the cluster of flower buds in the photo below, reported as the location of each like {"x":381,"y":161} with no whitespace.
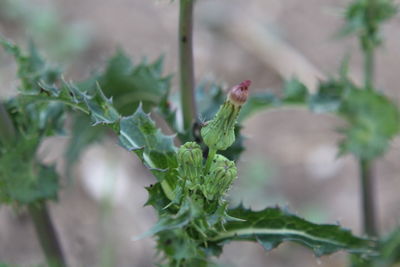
{"x":222,"y":173}
{"x":215,"y":178}
{"x":219,"y":134}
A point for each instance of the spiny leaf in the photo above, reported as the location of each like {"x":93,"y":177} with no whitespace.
{"x":32,"y":69}
{"x":257,"y":102}
{"x":329,"y":96}
{"x":390,"y":248}
{"x":364,"y":17}
{"x":169,"y":221}
{"x":100,"y":107}
{"x":130,"y":84}
{"x":22,"y":179}
{"x":373,"y":121}
{"x":157,"y":198}
{"x":294,"y":93}
{"x":272,"y":226}
{"x":139,"y":133}
{"x":178,"y":245}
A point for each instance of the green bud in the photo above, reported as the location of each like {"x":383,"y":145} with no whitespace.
{"x":190,"y":160}
{"x":219,"y":134}
{"x":222,"y":173}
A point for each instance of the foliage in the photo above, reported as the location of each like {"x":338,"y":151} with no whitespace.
{"x":364,"y":18}
{"x":373,"y":119}
{"x":24,"y":180}
{"x":194,"y":220}
{"x":271,"y":226}
{"x":130,"y":84}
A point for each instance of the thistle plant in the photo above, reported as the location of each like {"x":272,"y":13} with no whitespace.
{"x":191,"y":192}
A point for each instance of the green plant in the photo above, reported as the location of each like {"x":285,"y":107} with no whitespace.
{"x":194,"y":216}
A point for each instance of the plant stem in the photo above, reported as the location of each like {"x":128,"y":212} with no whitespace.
{"x":210,"y":157}
{"x":7,"y":131}
{"x":40,"y":216}
{"x":46,"y":234}
{"x":366,"y":166}
{"x":186,"y":67}
{"x":369,"y":68}
{"x":368,"y":198}
{"x":167,"y":190}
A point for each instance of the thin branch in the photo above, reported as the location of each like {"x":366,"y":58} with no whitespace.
{"x":47,"y":234}
{"x":186,"y":66}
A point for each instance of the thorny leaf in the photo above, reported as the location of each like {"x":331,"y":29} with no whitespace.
{"x":272,"y":226}
{"x":130,"y":84}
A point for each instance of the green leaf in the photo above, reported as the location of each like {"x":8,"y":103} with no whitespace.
{"x":390,"y":249}
{"x":329,"y":97}
{"x":157,"y":198}
{"x":272,"y":226}
{"x":168,"y":221}
{"x":258,"y":102}
{"x":373,"y":121}
{"x":32,"y":69}
{"x":100,"y":107}
{"x":130,"y":84}
{"x":139,"y":133}
{"x":22,"y":179}
{"x":294,"y":92}
{"x":364,"y":18}
{"x":180,"y":247}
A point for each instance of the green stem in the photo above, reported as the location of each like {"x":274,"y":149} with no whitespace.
{"x":7,"y":130}
{"x":369,"y":68}
{"x":210,"y":157}
{"x":168,"y":190}
{"x":47,"y":234}
{"x":368,"y":198}
{"x":186,"y":66}
{"x":40,"y":216}
{"x":366,"y":166}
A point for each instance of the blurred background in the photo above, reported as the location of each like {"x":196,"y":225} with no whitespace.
{"x":290,"y":158}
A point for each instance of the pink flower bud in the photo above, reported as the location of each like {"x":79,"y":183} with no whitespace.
{"x":239,"y":93}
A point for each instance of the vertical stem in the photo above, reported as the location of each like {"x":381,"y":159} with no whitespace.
{"x":186,"y":68}
{"x":47,"y":234}
{"x":7,"y":131}
{"x":40,"y":216}
{"x":369,"y":68}
{"x":366,"y":166}
{"x":210,"y":157}
{"x":368,"y":198}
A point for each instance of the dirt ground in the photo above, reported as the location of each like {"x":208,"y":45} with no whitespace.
{"x":291,"y":155}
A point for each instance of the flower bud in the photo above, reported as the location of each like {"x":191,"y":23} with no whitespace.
{"x":222,"y":173}
{"x":190,"y":160}
{"x":219,"y":134}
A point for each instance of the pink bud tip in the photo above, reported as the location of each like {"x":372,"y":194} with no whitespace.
{"x":239,"y":93}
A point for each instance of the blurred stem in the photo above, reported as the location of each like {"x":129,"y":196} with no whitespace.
{"x":186,"y":67}
{"x":38,"y":211}
{"x":369,"y":68}
{"x":368,"y":198}
{"x":7,"y":130}
{"x":46,"y":234}
{"x":366,"y":166}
